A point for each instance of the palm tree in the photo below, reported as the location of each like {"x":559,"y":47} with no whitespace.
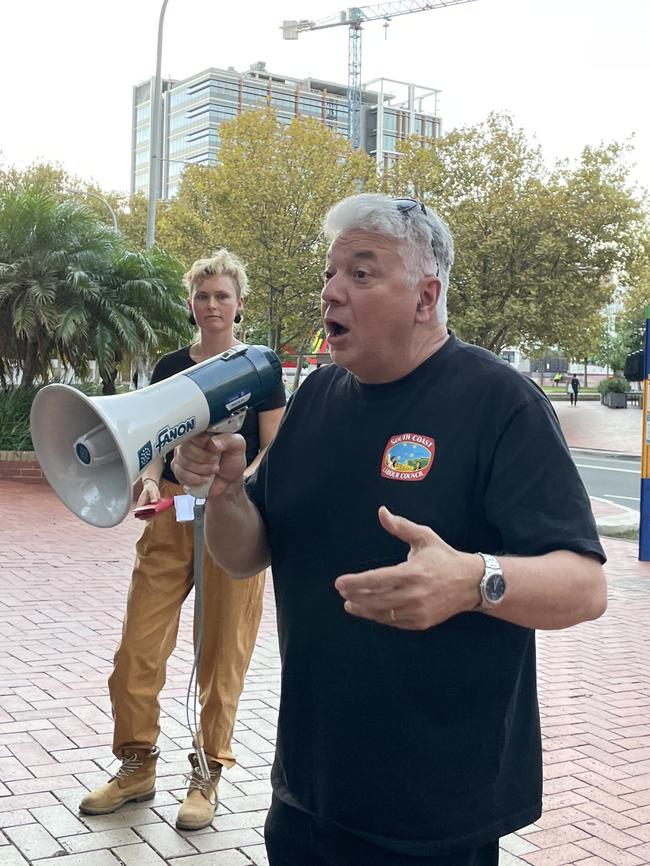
{"x":49,"y":251}
{"x":141,"y":312}
{"x":69,"y":289}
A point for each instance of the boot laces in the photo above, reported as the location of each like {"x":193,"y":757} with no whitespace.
{"x":130,"y":765}
{"x":198,"y":783}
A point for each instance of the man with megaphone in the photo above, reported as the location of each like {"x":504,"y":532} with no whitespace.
{"x":163,"y":578}
{"x":423,"y":516}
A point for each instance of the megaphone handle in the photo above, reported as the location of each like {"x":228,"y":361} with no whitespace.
{"x":232,"y":424}
{"x":202,"y":491}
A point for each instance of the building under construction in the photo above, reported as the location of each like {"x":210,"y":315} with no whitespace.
{"x":194,"y":108}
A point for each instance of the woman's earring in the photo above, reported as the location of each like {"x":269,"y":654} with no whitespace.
{"x":237,"y":318}
{"x":191,"y":318}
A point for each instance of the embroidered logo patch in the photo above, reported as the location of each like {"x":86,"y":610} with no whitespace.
{"x":408,"y":457}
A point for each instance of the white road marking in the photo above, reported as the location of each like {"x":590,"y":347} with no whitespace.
{"x":616,"y":496}
{"x":606,"y":468}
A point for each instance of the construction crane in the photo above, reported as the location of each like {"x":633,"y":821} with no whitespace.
{"x":353,"y":18}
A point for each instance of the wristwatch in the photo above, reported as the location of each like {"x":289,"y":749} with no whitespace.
{"x":493,"y":584}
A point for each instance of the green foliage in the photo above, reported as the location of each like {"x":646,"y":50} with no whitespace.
{"x":39,"y":177}
{"x":265,"y":201}
{"x":535,"y":250}
{"x":538,"y":251}
{"x":142,"y":313}
{"x":613,"y":348}
{"x":71,"y":290}
{"x":48,"y":251}
{"x":637,"y":296}
{"x":614,"y":385}
{"x":15,"y":406}
{"x":132,"y":218}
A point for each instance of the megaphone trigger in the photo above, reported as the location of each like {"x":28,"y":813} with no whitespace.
{"x":232,"y":424}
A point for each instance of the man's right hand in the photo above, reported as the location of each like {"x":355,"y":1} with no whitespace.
{"x":222,"y":455}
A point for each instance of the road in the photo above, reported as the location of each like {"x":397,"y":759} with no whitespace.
{"x":613,"y":478}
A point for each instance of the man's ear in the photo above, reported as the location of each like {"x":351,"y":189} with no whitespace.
{"x":429,"y":289}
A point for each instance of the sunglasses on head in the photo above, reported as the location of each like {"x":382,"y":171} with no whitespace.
{"x":405,"y":206}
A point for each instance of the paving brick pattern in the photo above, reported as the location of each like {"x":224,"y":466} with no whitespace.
{"x":62,"y":595}
{"x":592,"y":425}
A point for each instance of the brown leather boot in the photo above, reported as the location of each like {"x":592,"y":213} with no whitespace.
{"x":134,"y":781}
{"x":198,"y":808}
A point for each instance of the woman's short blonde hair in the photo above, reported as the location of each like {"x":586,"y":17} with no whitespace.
{"x":221,"y":262}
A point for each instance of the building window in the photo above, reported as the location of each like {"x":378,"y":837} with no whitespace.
{"x":390,"y":121}
{"x":310,"y":105}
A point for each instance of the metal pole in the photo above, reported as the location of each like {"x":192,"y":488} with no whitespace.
{"x":154,"y":135}
{"x":103,"y":200}
{"x":644,"y":518}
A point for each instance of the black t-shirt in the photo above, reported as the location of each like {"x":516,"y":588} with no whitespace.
{"x":448,"y":716}
{"x":176,"y":362}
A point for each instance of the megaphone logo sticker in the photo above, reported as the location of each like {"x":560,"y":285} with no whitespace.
{"x":237,"y":400}
{"x":169,"y":434}
{"x":145,"y":456}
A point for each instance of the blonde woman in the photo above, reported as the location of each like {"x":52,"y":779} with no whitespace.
{"x":163,"y":578}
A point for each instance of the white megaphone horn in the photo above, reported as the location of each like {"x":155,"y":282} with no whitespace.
{"x":93,"y":449}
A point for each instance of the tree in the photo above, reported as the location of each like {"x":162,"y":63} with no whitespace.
{"x":612,"y":349}
{"x":70,"y":289}
{"x":131,"y":211}
{"x":602,"y":221}
{"x":48,"y":251}
{"x":40,"y":176}
{"x":636,"y":298}
{"x":265,"y":201}
{"x":142,"y":312}
{"x":132,"y":217}
{"x":535,"y":250}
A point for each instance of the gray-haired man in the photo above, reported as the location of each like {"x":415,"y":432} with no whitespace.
{"x":423,"y":516}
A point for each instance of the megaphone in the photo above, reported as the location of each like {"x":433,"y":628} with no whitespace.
{"x":93,"y":449}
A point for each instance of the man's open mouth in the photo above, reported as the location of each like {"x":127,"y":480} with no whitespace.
{"x":334,"y":329}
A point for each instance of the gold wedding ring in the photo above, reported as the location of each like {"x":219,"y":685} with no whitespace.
{"x":393,"y":618}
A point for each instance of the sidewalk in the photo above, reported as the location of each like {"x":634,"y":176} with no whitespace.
{"x":589,"y":426}
{"x":63,"y":593}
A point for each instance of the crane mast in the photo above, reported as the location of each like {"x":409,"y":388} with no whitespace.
{"x":354,"y":17}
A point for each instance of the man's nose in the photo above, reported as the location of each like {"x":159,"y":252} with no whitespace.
{"x":333,"y":291}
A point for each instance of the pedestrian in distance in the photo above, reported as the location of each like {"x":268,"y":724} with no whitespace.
{"x":569,"y":391}
{"x":451,"y":524}
{"x":163,"y":577}
{"x":575,"y":388}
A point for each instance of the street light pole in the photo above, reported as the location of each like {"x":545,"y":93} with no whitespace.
{"x":103,"y":200}
{"x":154,"y":135}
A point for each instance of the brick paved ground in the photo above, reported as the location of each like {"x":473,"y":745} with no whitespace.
{"x":591,"y":425}
{"x":62,"y":595}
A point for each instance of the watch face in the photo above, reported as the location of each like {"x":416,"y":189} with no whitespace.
{"x":495,"y":587}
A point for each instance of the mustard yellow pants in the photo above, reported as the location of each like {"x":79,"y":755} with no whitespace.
{"x":161,"y":581}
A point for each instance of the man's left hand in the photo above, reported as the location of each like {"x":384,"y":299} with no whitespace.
{"x":434,"y":583}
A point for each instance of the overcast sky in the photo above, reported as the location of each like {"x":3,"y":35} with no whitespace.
{"x":571,"y":72}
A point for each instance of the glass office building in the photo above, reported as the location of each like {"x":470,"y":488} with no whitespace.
{"x":193,"y":109}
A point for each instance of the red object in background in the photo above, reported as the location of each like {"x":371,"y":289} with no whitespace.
{"x":152,"y":508}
